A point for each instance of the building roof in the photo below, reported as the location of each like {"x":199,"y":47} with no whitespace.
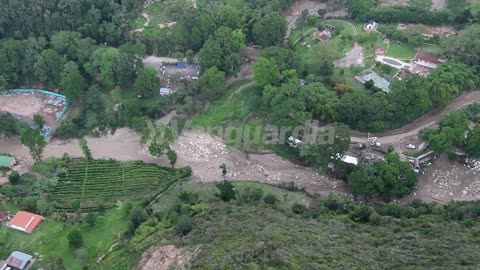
{"x":18,"y":259}
{"x":379,"y":49}
{"x":6,"y":161}
{"x":430,"y":58}
{"x":350,"y":160}
{"x":25,"y":221}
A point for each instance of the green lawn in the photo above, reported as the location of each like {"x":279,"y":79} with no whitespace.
{"x":50,"y":239}
{"x":401,"y":51}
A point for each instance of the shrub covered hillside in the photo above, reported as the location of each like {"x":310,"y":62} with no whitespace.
{"x":263,"y":227}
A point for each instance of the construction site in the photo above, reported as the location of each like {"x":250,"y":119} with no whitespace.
{"x":23,"y":104}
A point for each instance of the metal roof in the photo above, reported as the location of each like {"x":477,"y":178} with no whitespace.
{"x":18,"y":259}
{"x":6,"y":161}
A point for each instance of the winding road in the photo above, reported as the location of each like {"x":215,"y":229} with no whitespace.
{"x":427,"y":120}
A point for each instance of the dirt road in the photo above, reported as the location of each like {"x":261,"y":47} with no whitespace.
{"x":427,"y":120}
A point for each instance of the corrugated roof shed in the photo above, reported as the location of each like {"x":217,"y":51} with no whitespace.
{"x":18,"y":259}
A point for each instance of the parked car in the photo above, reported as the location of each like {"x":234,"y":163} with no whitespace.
{"x":411,"y":146}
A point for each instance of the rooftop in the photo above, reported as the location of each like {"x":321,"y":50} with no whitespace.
{"x":430,"y":58}
{"x":6,"y":161}
{"x":25,"y":221}
{"x":18,"y":259}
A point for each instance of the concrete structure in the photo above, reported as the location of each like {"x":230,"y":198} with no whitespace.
{"x":25,"y":221}
{"x":17,"y":260}
{"x":378,"y":80}
{"x":323,"y":36}
{"x":165,"y":91}
{"x":370,"y":26}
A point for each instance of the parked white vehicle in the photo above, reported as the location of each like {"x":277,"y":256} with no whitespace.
{"x":411,"y":146}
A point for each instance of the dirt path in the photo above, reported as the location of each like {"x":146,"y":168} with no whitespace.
{"x":427,"y":120}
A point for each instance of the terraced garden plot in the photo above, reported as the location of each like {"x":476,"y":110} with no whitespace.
{"x":104,"y":182}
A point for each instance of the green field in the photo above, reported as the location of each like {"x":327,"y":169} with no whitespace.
{"x":104,"y":182}
{"x":50,"y":239}
{"x":402,"y":51}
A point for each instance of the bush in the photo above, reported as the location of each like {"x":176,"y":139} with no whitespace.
{"x":184,"y":225}
{"x":75,"y":239}
{"x":14,"y":178}
{"x":298,"y":208}
{"x":226,"y":191}
{"x":250,"y":195}
{"x":270,"y":199}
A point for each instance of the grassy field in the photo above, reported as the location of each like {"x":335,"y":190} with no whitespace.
{"x":401,"y":51}
{"x":104,"y":182}
{"x":259,"y":236}
{"x":50,"y":239}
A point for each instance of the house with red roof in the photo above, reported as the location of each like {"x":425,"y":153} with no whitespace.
{"x":25,"y":221}
{"x":424,"y":63}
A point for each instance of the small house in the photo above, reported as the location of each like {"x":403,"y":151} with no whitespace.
{"x":370,"y":26}
{"x":25,"y":221}
{"x":323,"y":36}
{"x":7,"y":162}
{"x":379,"y":50}
{"x":165,"y":91}
{"x":17,"y":260}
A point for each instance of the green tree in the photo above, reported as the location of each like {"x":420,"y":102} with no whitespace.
{"x":101,"y":66}
{"x":35,"y":142}
{"x":270,"y":30}
{"x":91,"y":220}
{"x":472,"y":146}
{"x":72,"y":82}
{"x":48,"y":67}
{"x":321,"y":153}
{"x":226,"y":191}
{"x":14,"y":178}
{"x":85,"y":149}
{"x":222,"y":50}
{"x":146,"y":83}
{"x":172,"y":157}
{"x":12,"y":56}
{"x":265,"y":72}
{"x":75,"y":239}
{"x":184,"y":225}
{"x":449,"y":80}
{"x":136,"y":217}
{"x":38,"y":120}
{"x":212,"y":82}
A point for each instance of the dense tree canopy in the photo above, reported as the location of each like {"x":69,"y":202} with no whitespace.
{"x":270,"y":30}
{"x":392,"y":177}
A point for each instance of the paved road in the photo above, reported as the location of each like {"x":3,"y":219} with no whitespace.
{"x":427,"y":120}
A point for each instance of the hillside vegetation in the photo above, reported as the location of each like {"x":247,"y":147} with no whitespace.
{"x":251,"y":232}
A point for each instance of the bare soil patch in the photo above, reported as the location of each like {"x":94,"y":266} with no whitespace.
{"x":354,"y":58}
{"x":24,"y":106}
{"x":447,"y":180}
{"x":166,"y":258}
